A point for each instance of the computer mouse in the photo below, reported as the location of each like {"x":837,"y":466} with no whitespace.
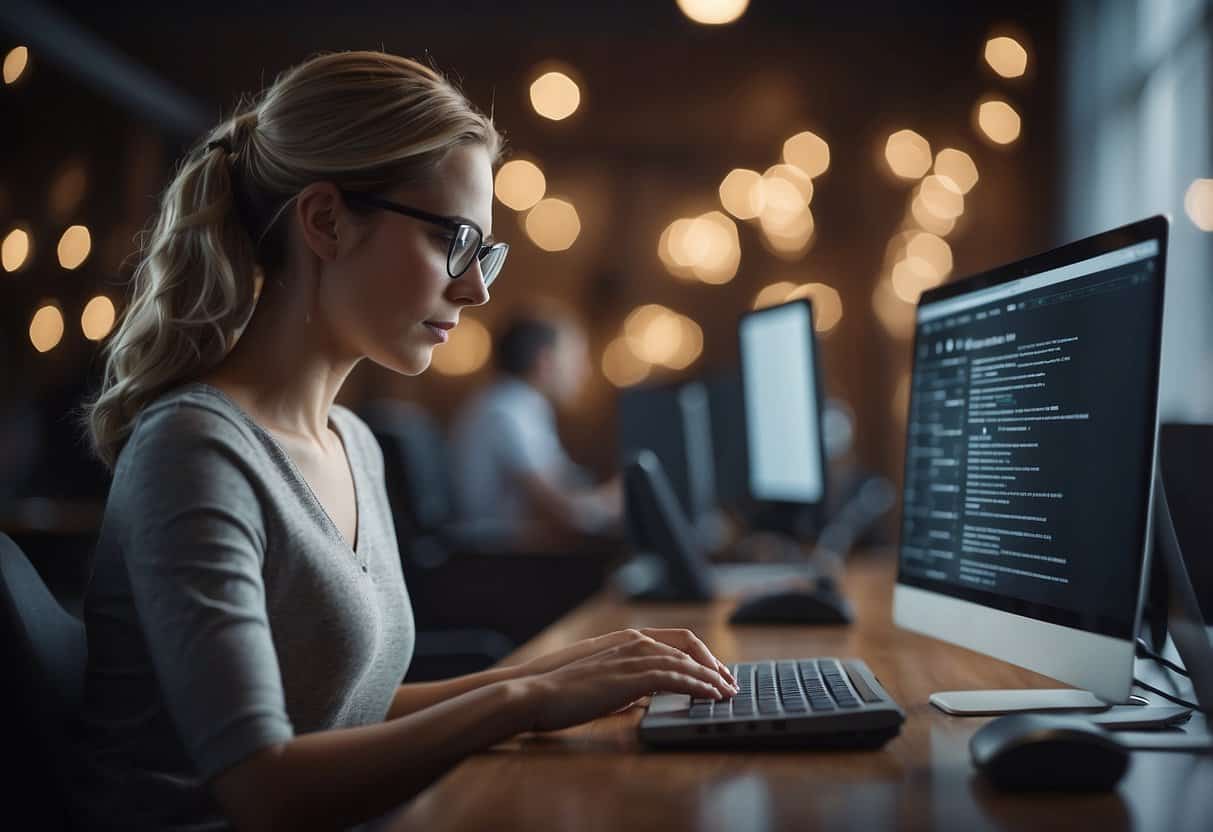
{"x":1040,"y":752}
{"x":821,"y":604}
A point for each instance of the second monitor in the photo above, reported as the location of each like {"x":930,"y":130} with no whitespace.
{"x":781,"y":390}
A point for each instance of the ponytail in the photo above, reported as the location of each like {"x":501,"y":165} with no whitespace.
{"x":364,"y":120}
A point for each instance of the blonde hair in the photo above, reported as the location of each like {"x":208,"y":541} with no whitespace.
{"x":366,"y":121}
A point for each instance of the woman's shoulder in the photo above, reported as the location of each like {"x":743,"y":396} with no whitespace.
{"x":189,"y":416}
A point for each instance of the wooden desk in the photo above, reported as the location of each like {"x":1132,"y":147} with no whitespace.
{"x":598,"y":777}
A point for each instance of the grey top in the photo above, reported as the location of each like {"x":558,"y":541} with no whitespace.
{"x":226,"y":613}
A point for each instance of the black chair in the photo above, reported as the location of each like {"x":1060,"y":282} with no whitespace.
{"x":44,"y":660}
{"x":455,"y":579}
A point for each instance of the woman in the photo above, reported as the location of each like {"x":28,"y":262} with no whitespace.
{"x":248,"y":623}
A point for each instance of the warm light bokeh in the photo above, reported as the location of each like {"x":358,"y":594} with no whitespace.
{"x":1006,"y":57}
{"x":1198,"y":203}
{"x":467,"y":350}
{"x":713,"y":12}
{"x":932,"y":250}
{"x":998,"y":121}
{"x":941,"y":197}
{"x":520,"y":184}
{"x":14,"y":251}
{"x":922,"y":215}
{"x":809,"y":152}
{"x":74,"y":247}
{"x":553,"y":224}
{"x":741,"y":193}
{"x":827,"y":304}
{"x":15,"y":63}
{"x":957,"y":166}
{"x":46,"y":328}
{"x":894,"y":314}
{"x":97,"y":319}
{"x":774,"y":294}
{"x":555,"y":95}
{"x":913,"y":276}
{"x":621,"y":366}
{"x":908,"y":154}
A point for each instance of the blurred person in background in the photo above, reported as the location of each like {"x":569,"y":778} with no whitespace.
{"x":515,"y":485}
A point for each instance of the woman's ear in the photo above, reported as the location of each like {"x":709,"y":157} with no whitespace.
{"x":322,"y":217}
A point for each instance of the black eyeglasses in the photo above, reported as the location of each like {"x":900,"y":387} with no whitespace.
{"x":467,"y":240}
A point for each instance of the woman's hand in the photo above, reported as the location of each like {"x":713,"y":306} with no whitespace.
{"x":683,"y":640}
{"x":632,"y":665}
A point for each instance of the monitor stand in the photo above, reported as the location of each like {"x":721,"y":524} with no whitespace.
{"x":984,"y":702}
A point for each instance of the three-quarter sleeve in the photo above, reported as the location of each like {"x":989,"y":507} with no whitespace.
{"x":194,"y":541}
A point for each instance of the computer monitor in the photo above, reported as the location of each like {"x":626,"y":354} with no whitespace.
{"x":781,"y":390}
{"x":672,"y":421}
{"x":1029,"y":465}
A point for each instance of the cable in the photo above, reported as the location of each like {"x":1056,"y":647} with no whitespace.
{"x":1144,"y":651}
{"x":1165,"y":695}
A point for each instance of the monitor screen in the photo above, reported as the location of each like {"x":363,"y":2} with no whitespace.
{"x":1031,"y":435}
{"x":782,"y":411}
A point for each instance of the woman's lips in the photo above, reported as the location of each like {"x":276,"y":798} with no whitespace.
{"x":439,"y":329}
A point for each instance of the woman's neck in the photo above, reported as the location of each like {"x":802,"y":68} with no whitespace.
{"x":286,"y":368}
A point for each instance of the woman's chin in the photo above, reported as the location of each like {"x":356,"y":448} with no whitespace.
{"x":409,"y":362}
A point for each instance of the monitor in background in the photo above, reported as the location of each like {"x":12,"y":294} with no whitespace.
{"x":781,"y":391}
{"x":672,"y":421}
{"x":727,"y":413}
{"x":1029,"y":466}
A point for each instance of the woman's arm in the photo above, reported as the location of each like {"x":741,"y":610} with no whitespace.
{"x":334,"y":779}
{"x":415,"y":696}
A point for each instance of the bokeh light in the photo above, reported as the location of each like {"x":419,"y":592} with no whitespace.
{"x":97,"y":319}
{"x":520,"y":184}
{"x":809,"y":152}
{"x":555,"y":95}
{"x":74,"y":247}
{"x":957,"y":166}
{"x":621,"y":366}
{"x":998,"y":121}
{"x":553,"y":224}
{"x":15,"y":64}
{"x":941,"y":197}
{"x":921,"y":213}
{"x":46,"y":328}
{"x":15,"y":249}
{"x":713,"y":12}
{"x":1006,"y":57}
{"x":908,"y":154}
{"x":827,"y":304}
{"x":467,"y":350}
{"x":741,"y":193}
{"x":1198,"y":203}
{"x":894,"y":314}
{"x":774,"y":294}
{"x":913,"y":276}
{"x":931,"y":250}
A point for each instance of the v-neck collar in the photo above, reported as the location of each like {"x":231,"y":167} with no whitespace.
{"x":285,"y":458}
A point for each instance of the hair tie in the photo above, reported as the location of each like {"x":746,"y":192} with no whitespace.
{"x":226,"y":144}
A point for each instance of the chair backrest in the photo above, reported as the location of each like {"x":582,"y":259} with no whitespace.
{"x":416,"y":463}
{"x":46,"y":652}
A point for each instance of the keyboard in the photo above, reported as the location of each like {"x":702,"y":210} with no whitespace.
{"x":804,"y":703}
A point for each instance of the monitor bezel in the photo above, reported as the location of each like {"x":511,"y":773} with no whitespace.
{"x":818,"y":404}
{"x":1091,"y":654}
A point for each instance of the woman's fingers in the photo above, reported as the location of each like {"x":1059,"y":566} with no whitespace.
{"x":672,"y":681}
{"x":721,"y":688}
{"x":689,"y":643}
